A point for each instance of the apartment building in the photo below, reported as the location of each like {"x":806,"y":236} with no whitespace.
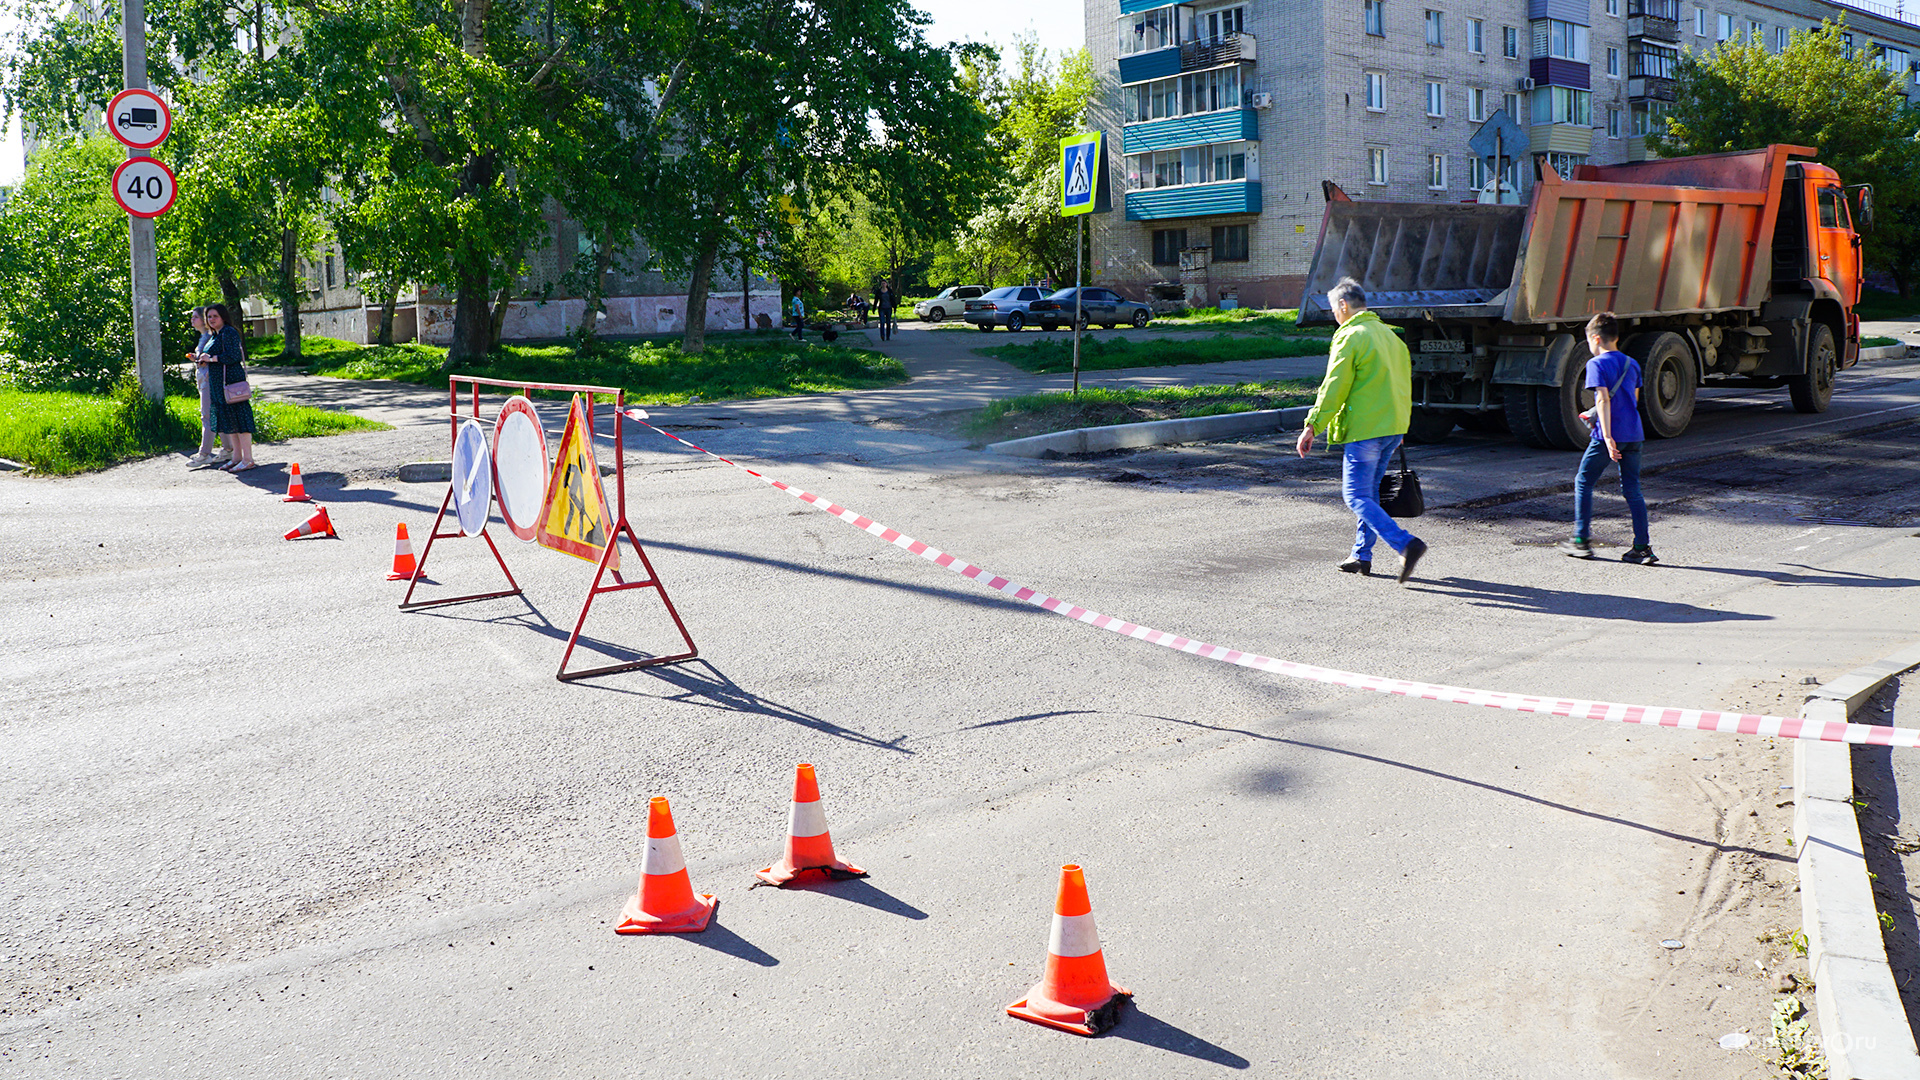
{"x":1228,"y":114}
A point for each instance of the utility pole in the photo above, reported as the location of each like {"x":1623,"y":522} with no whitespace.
{"x":146,"y":273}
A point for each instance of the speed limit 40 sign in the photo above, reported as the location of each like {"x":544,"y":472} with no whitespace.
{"x":144,"y":187}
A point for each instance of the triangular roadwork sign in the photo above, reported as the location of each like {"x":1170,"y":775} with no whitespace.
{"x":576,"y":519}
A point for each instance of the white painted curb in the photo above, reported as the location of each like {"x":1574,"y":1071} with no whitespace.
{"x":1883,"y":352}
{"x":1097,"y":440}
{"x":1863,"y":1028}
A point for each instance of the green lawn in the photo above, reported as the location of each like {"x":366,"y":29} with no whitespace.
{"x":1055,"y":354}
{"x":652,"y":371}
{"x":1037,"y":414}
{"x":1875,"y":306}
{"x":63,"y":434}
{"x":1239,"y":320}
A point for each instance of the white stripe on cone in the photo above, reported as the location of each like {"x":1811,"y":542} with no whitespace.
{"x":806,"y":819}
{"x":663,"y":856}
{"x":1073,"y":935}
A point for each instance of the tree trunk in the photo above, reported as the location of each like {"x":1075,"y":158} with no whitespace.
{"x":289,"y":294}
{"x":501,"y":305}
{"x":472,"y":320}
{"x":746,"y":295}
{"x":695,"y":339}
{"x":230,"y":295}
{"x":596,"y":293}
{"x":386,"y":315}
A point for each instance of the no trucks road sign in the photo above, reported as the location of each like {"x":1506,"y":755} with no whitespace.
{"x":139,"y":118}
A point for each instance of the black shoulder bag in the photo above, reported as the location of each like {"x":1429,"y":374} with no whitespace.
{"x":1400,"y":491}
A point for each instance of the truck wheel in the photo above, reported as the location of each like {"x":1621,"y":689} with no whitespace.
{"x":1667,"y":383}
{"x":1428,"y":426}
{"x":1559,"y":408}
{"x":1522,"y":420}
{"x":1813,"y":392}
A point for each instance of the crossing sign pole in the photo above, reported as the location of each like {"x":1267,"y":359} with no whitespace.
{"x":1083,"y":191}
{"x":146,"y":272}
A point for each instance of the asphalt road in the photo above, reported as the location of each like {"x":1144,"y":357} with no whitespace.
{"x":261,"y":823}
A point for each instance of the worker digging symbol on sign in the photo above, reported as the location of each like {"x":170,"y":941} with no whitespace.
{"x":574,"y":519}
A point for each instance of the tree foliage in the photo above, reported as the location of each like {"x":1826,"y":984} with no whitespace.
{"x":1739,"y":96}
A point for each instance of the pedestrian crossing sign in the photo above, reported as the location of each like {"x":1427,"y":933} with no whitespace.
{"x":576,"y":519}
{"x":1083,"y":174}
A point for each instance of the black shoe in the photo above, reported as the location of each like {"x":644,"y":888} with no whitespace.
{"x":1640,"y":553}
{"x":1577,"y":548}
{"x":1363,"y":567}
{"x":1410,"y":558}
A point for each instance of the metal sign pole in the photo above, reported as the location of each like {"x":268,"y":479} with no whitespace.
{"x":146,"y":273}
{"x":1079,"y":245}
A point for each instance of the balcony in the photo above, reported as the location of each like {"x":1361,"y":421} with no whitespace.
{"x":1227,"y":125}
{"x":1560,"y":139}
{"x":1147,"y":66}
{"x":1650,"y":26}
{"x":1549,"y":71}
{"x":1193,"y":200}
{"x":1649,"y":88}
{"x":1230,"y":49}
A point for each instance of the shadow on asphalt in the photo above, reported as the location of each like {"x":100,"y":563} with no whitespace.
{"x":1149,"y":1030}
{"x":1771,"y":856}
{"x":720,"y":939}
{"x":1845,"y":579}
{"x":1884,"y":846}
{"x":860,"y":891}
{"x":327,"y":487}
{"x":957,"y":595}
{"x":712,"y":689}
{"x":1505,"y":597}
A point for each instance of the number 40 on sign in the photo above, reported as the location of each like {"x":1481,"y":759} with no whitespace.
{"x":144,"y":187}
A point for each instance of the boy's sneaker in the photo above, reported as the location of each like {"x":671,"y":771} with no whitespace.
{"x":1579,"y":548}
{"x":1363,"y":567}
{"x":1640,"y":553}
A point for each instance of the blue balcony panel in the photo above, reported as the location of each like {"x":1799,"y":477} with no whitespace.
{"x":1568,"y":73}
{"x":1578,"y":12}
{"x":1157,"y":64}
{"x":1193,"y":200}
{"x":1228,"y":125}
{"x":1129,"y":7}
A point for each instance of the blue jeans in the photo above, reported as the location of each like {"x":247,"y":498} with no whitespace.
{"x":1360,"y":468}
{"x":1591,"y":467}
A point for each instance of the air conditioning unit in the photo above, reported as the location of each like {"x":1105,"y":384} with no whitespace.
{"x":1261,"y":101}
{"x":1526,"y":84}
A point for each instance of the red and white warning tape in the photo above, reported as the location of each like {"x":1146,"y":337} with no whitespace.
{"x":1785,"y":727}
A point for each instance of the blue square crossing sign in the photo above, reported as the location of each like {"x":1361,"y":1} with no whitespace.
{"x":1083,"y":174}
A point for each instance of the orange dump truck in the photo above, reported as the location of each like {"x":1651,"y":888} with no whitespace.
{"x":1737,"y":269}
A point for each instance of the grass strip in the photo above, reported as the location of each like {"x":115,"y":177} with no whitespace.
{"x":1239,"y":320}
{"x":653,"y":372}
{"x":1052,"y":355}
{"x":1038,"y":414}
{"x":1876,"y":342}
{"x":1877,"y":305}
{"x":62,"y":434}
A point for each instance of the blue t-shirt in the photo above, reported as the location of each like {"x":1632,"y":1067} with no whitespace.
{"x":1602,"y":372}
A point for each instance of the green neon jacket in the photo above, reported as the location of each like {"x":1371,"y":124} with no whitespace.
{"x":1368,"y":389}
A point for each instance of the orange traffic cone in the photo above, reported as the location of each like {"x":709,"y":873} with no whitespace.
{"x":665,"y":903}
{"x":317,"y":525}
{"x":1074,"y":994}
{"x":296,"y":488}
{"x":404,"y":568}
{"x":809,"y":847}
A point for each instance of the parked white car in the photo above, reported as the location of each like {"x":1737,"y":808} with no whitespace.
{"x":950,"y":304}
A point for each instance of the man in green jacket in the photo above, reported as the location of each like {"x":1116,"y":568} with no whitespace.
{"x":1364,"y":404}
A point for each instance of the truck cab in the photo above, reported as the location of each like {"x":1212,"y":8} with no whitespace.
{"x":1815,"y":242}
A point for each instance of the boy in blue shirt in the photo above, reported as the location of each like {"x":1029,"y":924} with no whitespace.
{"x":1614,"y":379}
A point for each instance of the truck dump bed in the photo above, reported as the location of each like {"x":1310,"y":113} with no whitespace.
{"x":1654,"y":237}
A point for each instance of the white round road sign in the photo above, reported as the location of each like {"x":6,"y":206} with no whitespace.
{"x":139,"y":118}
{"x":144,"y":187}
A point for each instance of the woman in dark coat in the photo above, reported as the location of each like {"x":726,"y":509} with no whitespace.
{"x":227,"y":364}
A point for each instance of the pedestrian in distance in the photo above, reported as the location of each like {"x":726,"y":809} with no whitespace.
{"x":1614,"y":378}
{"x":1364,"y":404}
{"x":208,"y":436}
{"x":798,"y":313}
{"x":226,"y":357}
{"x":886,"y":301}
{"x":859,"y":305}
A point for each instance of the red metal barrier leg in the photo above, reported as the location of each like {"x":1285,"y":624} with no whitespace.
{"x":652,"y":582}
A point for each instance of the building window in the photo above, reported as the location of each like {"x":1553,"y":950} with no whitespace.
{"x":1376,"y":17}
{"x":1897,"y":62}
{"x":1511,"y":103}
{"x":1699,"y":22}
{"x":1846,"y":45}
{"x":1613,"y":62}
{"x":1725,"y":27}
{"x":1436,"y":28}
{"x":1562,"y":105}
{"x":1560,"y":40}
{"x":1476,"y":104}
{"x":330,"y":277}
{"x":1202,"y":91}
{"x":1564,"y":164}
{"x":1476,"y":36}
{"x":1219,"y":25}
{"x":1780,"y":36}
{"x":1756,"y":34}
{"x":1648,"y":118}
{"x":1166,"y":246}
{"x":1613,"y":8}
{"x":1218,"y":163}
{"x":1436,"y":99}
{"x":1436,"y":172}
{"x":1376,"y":164}
{"x":1510,"y":42}
{"x":1477,"y":175}
{"x":1376,"y":91}
{"x":1148,"y":30}
{"x":1658,"y":61}
{"x":1613,"y":122}
{"x":1229,"y":243}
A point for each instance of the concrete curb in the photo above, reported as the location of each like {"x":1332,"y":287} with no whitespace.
{"x":1098,"y":440}
{"x":1863,"y":1027}
{"x":1883,"y":352}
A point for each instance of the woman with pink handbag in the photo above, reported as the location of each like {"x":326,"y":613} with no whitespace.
{"x":227,"y":372}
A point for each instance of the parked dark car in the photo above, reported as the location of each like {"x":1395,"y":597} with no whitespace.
{"x":1004,"y":307}
{"x":1097,"y":305}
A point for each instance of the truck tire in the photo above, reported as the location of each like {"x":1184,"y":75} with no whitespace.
{"x":1813,"y":392}
{"x":1559,"y":408}
{"x":1667,"y":382}
{"x":1428,"y":426}
{"x":1522,"y":420}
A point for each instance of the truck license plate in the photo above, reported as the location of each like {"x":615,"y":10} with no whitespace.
{"x":1442,"y":345}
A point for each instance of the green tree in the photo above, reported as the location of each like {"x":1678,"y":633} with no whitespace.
{"x":1739,"y":96}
